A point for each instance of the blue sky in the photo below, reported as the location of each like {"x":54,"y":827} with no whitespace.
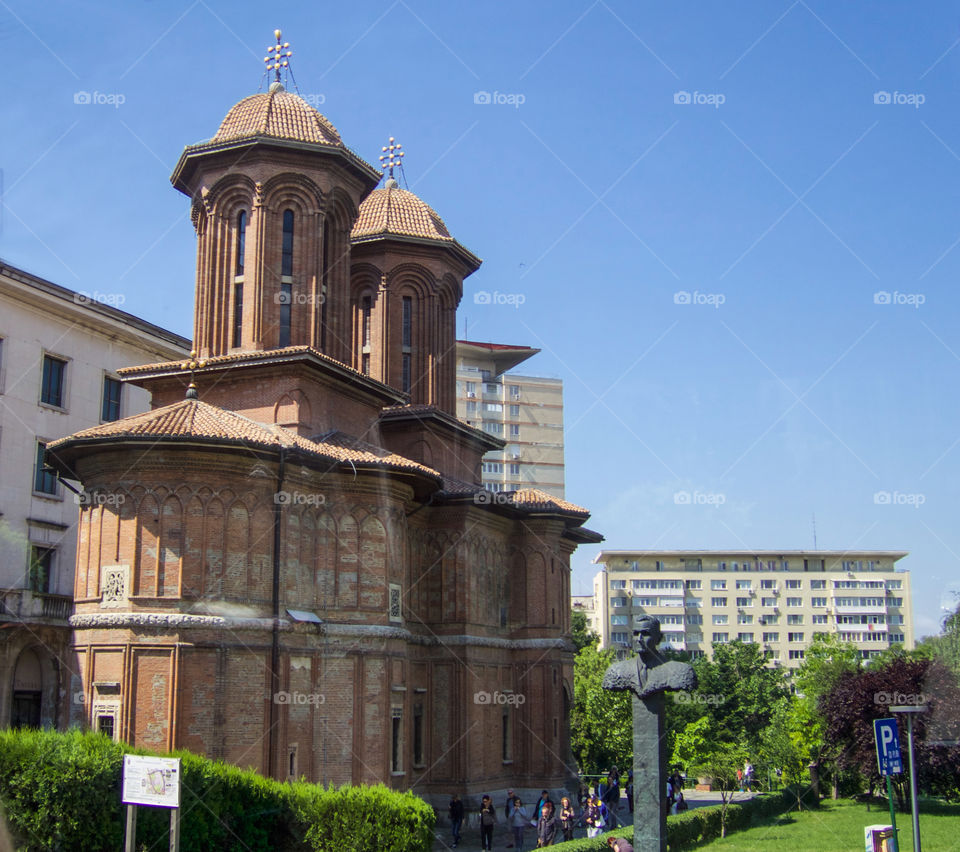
{"x":735,"y":226}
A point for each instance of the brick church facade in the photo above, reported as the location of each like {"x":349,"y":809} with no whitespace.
{"x":289,"y":563}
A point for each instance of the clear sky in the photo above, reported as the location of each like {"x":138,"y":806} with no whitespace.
{"x":734,"y":226}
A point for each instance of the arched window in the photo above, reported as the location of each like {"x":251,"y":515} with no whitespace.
{"x":238,"y":285}
{"x":366,"y":309}
{"x":406,"y":338}
{"x":286,"y":273}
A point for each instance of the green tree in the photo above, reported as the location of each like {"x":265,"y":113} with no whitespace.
{"x":601,"y":721}
{"x":580,"y":634}
{"x":788,"y":742}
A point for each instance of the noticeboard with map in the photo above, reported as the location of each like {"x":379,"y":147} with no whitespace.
{"x":149,"y":780}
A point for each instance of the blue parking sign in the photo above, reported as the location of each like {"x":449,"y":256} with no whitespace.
{"x":887,"y":736}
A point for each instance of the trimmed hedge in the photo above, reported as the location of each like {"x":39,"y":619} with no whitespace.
{"x":700,"y":825}
{"x":62,"y":792}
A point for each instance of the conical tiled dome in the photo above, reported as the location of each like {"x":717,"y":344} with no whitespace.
{"x":279,"y":114}
{"x":391,"y":210}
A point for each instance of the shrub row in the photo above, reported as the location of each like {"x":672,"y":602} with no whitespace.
{"x":701,"y":825}
{"x":62,"y":792}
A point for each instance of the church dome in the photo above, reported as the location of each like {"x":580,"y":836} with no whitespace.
{"x":394,"y":211}
{"x":279,"y":114}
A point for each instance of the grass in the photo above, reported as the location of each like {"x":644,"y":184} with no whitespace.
{"x":838,"y":827}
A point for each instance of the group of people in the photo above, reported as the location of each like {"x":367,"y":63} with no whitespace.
{"x":554,"y":823}
{"x":745,"y":777}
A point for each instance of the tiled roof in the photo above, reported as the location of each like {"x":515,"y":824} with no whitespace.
{"x":496,"y":347}
{"x":191,"y":418}
{"x":280,"y":114}
{"x":534,"y":498}
{"x":391,"y":210}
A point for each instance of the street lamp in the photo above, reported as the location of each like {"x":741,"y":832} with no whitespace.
{"x":910,"y":710}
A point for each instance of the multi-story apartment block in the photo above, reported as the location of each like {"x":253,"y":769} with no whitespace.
{"x":59,"y":355}
{"x":778,"y":599}
{"x":524,"y":411}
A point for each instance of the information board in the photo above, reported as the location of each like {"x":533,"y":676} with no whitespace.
{"x":149,"y":780}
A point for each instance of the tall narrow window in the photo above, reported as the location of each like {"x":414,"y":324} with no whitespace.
{"x":366,"y":310}
{"x":54,"y":373}
{"x":110,"y":410}
{"x":241,"y":241}
{"x":44,"y":481}
{"x":238,"y":314}
{"x":41,"y":569}
{"x":418,"y":759}
{"x":396,"y":744}
{"x":406,"y":336}
{"x":286,"y":266}
{"x":324,"y":282}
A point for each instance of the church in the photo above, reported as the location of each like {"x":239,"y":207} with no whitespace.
{"x":290,"y":563}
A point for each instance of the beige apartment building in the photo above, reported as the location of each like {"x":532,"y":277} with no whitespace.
{"x":526,"y":412}
{"x":59,"y":355}
{"x":778,"y":599}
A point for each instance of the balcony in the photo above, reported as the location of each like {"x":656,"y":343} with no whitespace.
{"x":25,"y":605}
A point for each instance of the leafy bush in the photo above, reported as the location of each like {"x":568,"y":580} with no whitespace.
{"x":62,"y":792}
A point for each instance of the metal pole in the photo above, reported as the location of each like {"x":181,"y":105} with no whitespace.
{"x":131,"y":839}
{"x":175,"y":830}
{"x":913,"y":786}
{"x":893,"y":817}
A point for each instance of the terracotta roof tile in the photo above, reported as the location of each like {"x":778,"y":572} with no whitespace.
{"x":191,"y":418}
{"x":239,"y":357}
{"x":397,"y":211}
{"x":280,"y":114}
{"x":534,"y":498}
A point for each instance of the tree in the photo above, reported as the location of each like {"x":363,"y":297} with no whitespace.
{"x":701,"y":751}
{"x":946,"y":647}
{"x":580,"y":634}
{"x":788,"y":742}
{"x":601,"y":721}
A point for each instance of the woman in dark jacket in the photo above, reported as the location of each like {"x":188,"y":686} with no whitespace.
{"x":548,"y":826}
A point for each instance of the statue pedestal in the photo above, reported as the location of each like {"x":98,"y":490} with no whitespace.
{"x":649,"y":775}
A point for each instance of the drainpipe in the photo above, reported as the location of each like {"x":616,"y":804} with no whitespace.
{"x":275,"y":643}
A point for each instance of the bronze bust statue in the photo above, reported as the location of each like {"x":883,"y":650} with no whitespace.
{"x":648,"y":673}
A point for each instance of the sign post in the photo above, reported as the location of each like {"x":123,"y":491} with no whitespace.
{"x":910,"y":710}
{"x":155,"y":782}
{"x":890,"y":762}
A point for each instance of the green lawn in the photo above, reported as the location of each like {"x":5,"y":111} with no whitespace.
{"x":838,"y":827}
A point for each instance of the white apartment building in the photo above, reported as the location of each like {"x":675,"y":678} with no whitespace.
{"x":524,"y":411}
{"x":59,"y":352}
{"x":778,"y":599}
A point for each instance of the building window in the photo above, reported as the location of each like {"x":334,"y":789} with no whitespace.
{"x":105,"y":725}
{"x":794,"y":601}
{"x":718,"y":601}
{"x":818,"y":601}
{"x":41,"y":569}
{"x":795,"y":655}
{"x":242,"y":240}
{"x":743,"y":618}
{"x":292,"y":762}
{"x":515,"y":391}
{"x":418,"y":759}
{"x":718,"y":585}
{"x":286,"y":251}
{"x":366,"y":309}
{"x":238,"y":314}
{"x":745,"y":637}
{"x":771,"y":637}
{"x":286,"y":297}
{"x":110,"y":407}
{"x":396,"y":740}
{"x":44,"y":480}
{"x":720,"y":637}
{"x":720,"y":619}
{"x":794,"y":637}
{"x":54,"y":376}
{"x":794,"y":584}
{"x":514,"y":470}
{"x":514,"y":430}
{"x":514,"y":411}
{"x":506,"y":738}
{"x":819,"y":619}
{"x":407,"y":324}
{"x":818,"y":584}
{"x":744,"y":602}
{"x":692,"y":584}
{"x":794,"y":619}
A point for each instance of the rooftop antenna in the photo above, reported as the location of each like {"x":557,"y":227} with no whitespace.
{"x":392,"y":158}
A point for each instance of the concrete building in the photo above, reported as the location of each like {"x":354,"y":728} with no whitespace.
{"x":59,"y":356}
{"x":291,"y":562}
{"x":524,"y":411}
{"x":585,"y":604}
{"x":779,"y":599}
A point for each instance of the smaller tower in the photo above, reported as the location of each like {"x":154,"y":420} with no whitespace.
{"x":406,"y":281}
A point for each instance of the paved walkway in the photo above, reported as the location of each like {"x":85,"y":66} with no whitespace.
{"x":502,"y":836}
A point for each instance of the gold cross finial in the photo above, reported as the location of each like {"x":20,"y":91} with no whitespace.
{"x":277,"y":56}
{"x":391,"y":157}
{"x":193,"y":365}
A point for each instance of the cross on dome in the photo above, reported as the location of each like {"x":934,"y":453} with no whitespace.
{"x":391,"y":159}
{"x":278,"y":56}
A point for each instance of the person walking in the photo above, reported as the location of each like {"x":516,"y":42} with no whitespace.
{"x":488,"y":819}
{"x":456,"y":818}
{"x":544,"y":798}
{"x":618,"y":844}
{"x":519,"y":820}
{"x":568,"y":816}
{"x":629,"y":791}
{"x":593,"y":817}
{"x":508,"y":810}
{"x":611,"y":797}
{"x":548,"y":826}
